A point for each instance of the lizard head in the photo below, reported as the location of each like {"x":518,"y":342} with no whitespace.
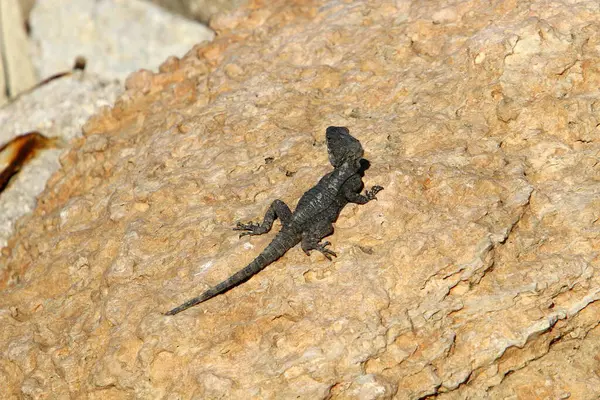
{"x":342,"y":147}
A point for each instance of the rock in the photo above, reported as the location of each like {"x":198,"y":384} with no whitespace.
{"x":116,"y":37}
{"x":474,"y":275}
{"x":26,"y":7}
{"x":3,"y":88}
{"x":18,"y":73}
{"x":200,"y":10}
{"x":57,"y":109}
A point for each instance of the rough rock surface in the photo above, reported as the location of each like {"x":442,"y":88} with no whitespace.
{"x":116,"y":37}
{"x":475,"y":275}
{"x":57,"y":109}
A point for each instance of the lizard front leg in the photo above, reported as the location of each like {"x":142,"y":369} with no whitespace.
{"x":356,"y":197}
{"x":278,"y":209}
{"x":311,"y":239}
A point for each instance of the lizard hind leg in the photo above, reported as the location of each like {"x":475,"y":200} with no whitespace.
{"x":311,"y":239}
{"x":278,"y":209}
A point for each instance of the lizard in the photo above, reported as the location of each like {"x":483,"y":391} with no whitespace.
{"x":313,"y":217}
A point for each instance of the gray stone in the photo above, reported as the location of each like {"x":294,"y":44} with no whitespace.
{"x":57,"y":109}
{"x":3,"y":93}
{"x":201,"y":10}
{"x":18,"y":71}
{"x":117,"y":37}
{"x":26,"y":7}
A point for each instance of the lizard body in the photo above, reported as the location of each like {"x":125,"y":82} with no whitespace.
{"x":312,"y":220}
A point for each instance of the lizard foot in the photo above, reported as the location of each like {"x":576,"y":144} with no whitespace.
{"x":322,"y":247}
{"x":370,"y":194}
{"x":326,"y":252}
{"x":252,"y":228}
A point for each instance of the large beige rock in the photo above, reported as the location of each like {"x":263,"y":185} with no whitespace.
{"x":475,"y":275}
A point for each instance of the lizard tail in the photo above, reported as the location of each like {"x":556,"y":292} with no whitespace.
{"x":276,"y":249}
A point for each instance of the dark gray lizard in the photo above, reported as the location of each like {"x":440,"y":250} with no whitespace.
{"x":312,"y":220}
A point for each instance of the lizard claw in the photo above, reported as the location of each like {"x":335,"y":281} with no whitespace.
{"x":321,"y":247}
{"x":326,"y":252}
{"x":244,"y":227}
{"x":251,"y":227}
{"x":371,"y":194}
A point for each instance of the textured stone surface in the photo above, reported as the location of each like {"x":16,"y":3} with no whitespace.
{"x":57,"y":109}
{"x":116,"y":36}
{"x":475,"y":275}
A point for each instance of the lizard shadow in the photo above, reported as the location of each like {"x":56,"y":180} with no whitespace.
{"x":364,"y":165}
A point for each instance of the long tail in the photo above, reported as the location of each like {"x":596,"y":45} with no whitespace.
{"x":276,"y":249}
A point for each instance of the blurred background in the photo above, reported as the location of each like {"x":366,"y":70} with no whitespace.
{"x":42,"y":38}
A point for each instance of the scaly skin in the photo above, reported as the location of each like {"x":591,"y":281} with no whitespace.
{"x":312,"y":220}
